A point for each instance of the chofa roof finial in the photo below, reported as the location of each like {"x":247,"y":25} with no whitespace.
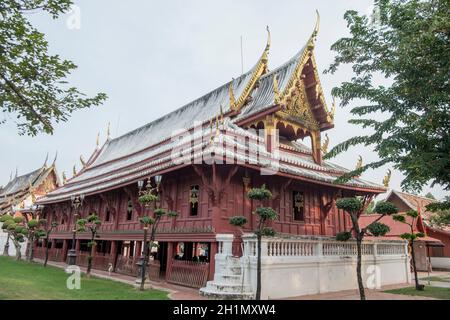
{"x":97,"y":142}
{"x":313,"y":37}
{"x":359,"y":163}
{"x":387,"y":178}
{"x":45,"y":161}
{"x":325,"y":144}
{"x":108,"y":131}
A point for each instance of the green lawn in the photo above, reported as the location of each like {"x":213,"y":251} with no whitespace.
{"x":22,"y":280}
{"x":432,"y":292}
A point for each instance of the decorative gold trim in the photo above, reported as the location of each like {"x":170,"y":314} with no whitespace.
{"x":276,"y":90}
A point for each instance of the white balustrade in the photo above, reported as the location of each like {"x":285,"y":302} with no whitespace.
{"x":308,"y":247}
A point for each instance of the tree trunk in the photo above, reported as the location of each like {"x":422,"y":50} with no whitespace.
{"x":362,"y":293}
{"x":416,"y":279}
{"x":144,"y":262}
{"x":258,"y":269}
{"x":46,"y":250}
{"x":30,"y":249}
{"x":89,"y":266}
{"x":18,"y":247}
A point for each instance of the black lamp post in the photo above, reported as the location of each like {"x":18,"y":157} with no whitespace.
{"x":77,"y":202}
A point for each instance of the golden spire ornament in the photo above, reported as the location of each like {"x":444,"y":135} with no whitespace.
{"x":325,"y":144}
{"x":97,"y":142}
{"x":387,"y":178}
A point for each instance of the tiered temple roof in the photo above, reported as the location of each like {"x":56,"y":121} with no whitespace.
{"x":291,"y":94}
{"x":27,"y":186}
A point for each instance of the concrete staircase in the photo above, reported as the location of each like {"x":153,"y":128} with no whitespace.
{"x":228,"y":283}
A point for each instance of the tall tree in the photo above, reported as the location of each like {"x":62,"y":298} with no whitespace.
{"x":265,"y":215}
{"x":355,"y":207}
{"x":45,"y":233}
{"x":33,"y":88}
{"x":90,"y":224}
{"x":406,"y":42}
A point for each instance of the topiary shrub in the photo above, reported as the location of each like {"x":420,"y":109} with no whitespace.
{"x":146,"y":220}
{"x":267,"y":232}
{"x":6,"y":217}
{"x":384,"y":207}
{"x":343,"y":236}
{"x":267,"y":213}
{"x":351,"y":205}
{"x":259,"y":193}
{"x":172,"y":214}
{"x":18,"y":219}
{"x":378,"y":229}
{"x":238,"y":221}
{"x":160,"y":212}
{"x":33,"y":223}
{"x":147,"y":199}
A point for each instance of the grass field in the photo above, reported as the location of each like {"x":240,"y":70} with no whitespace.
{"x":432,"y":292}
{"x":22,"y":280}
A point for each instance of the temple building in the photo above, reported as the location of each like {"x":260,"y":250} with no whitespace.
{"x":204,"y":157}
{"x":20,"y":194}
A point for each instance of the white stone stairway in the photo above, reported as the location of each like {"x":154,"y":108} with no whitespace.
{"x":227,"y":283}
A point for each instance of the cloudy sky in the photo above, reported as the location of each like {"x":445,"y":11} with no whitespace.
{"x":152,"y":57}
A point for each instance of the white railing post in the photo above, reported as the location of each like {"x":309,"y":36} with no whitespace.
{"x":225,"y":243}
{"x":319,"y":248}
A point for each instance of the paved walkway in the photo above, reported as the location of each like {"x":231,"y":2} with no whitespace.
{"x":175,"y":292}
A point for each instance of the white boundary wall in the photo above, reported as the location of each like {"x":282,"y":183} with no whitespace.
{"x":440,"y":262}
{"x":299,"y":265}
{"x":12,"y":248}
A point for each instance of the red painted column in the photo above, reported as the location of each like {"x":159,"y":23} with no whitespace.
{"x":113,"y":254}
{"x":170,"y":254}
{"x":77,"y":245}
{"x":138,"y":249}
{"x":212,"y":260}
{"x":64,"y":249}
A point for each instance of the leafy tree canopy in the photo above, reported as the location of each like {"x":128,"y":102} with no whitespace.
{"x":408,"y":44}
{"x":33,"y":88}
